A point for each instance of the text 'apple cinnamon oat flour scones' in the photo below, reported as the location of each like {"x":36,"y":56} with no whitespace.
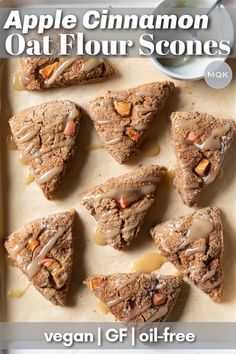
{"x":43,"y":250}
{"x":137,"y":297}
{"x":122,"y":118}
{"x":120,"y":204}
{"x":42,"y":73}
{"x":46,"y":136}
{"x":200,"y":142}
{"x":194,"y":244}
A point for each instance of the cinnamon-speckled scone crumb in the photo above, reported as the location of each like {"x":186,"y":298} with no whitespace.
{"x":137,"y":297}
{"x":194,"y":244}
{"x":120,"y":204}
{"x":122,"y":119}
{"x":43,"y":250}
{"x":42,"y":73}
{"x":46,"y":138}
{"x":200,"y":142}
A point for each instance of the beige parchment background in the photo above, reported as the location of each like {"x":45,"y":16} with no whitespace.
{"x":22,"y":203}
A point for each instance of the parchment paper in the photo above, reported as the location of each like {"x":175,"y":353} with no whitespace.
{"x":23,"y":203}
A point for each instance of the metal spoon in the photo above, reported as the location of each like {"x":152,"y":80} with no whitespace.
{"x":182,"y":60}
{"x":217,"y":3}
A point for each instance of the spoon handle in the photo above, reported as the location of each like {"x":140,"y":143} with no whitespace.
{"x":217,"y":3}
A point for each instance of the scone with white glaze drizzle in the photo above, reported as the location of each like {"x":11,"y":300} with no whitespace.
{"x":200,"y":142}
{"x":46,"y":138}
{"x":137,"y":297}
{"x":122,"y":119}
{"x":120,"y":204}
{"x":194,"y":244}
{"x":43,"y":250}
{"x":42,"y":73}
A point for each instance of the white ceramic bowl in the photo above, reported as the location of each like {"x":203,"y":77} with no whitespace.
{"x":194,"y":68}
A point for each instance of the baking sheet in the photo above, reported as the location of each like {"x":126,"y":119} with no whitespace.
{"x":2,"y":262}
{"x":23,"y":203}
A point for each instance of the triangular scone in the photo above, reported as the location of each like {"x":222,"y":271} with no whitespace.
{"x":194,"y":244}
{"x":200,"y":142}
{"x":120,"y":204}
{"x":43,"y":250}
{"x":46,"y":136}
{"x":122,"y":118}
{"x":41,"y":73}
{"x":137,"y":297}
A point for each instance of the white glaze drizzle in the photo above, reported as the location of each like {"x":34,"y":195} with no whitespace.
{"x":136,"y":312}
{"x":200,"y":228}
{"x":133,"y":194}
{"x":27,"y":150}
{"x":114,"y":141}
{"x":208,"y":275}
{"x":23,"y":130}
{"x":140,"y":127}
{"x":210,"y":177}
{"x":49,"y":175}
{"x":111,"y":233}
{"x":117,"y":193}
{"x":153,"y":179}
{"x":117,"y":231}
{"x":123,"y":284}
{"x":67,"y":142}
{"x":34,"y":267}
{"x":212,"y":143}
{"x":139,"y":209}
{"x":73,"y":114}
{"x":127,"y":282}
{"x":197,"y":249}
{"x":116,"y":301}
{"x":28,"y":136}
{"x":211,"y":286}
{"x":91,"y":64}
{"x":60,"y":69}
{"x":137,"y":194}
{"x":130,"y":227}
{"x":144,"y":92}
{"x":105,"y":102}
{"x":103,"y":122}
{"x":145,"y":110}
{"x":193,"y":269}
{"x":17,"y":248}
{"x":159,"y":286}
{"x":119,"y":129}
{"x":162,"y":311}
